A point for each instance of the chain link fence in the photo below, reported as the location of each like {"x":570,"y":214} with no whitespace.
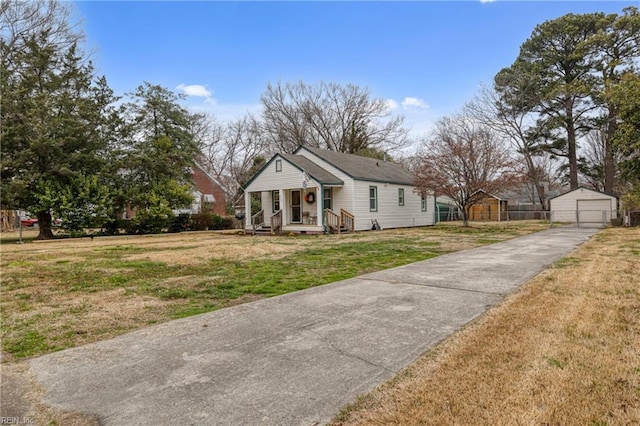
{"x":578,"y":218}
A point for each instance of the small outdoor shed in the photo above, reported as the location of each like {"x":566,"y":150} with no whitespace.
{"x":584,"y":206}
{"x":489,"y":208}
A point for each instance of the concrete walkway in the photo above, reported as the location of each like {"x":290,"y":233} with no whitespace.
{"x":294,"y":359}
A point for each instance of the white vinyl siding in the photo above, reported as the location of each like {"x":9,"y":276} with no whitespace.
{"x":352,"y":196}
{"x":389,"y":214}
{"x":289,"y":178}
{"x":585,"y":203}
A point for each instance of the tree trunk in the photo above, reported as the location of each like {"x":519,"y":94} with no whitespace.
{"x":571,"y":146}
{"x":609,"y":163}
{"x":44,"y":224}
{"x":536,"y":180}
{"x":541,"y":196}
{"x":465,"y":216}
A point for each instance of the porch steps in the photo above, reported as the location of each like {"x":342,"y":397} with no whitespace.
{"x":263,"y":230}
{"x":343,"y":230}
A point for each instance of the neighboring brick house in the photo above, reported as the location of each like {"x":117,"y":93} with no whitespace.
{"x":207,"y":193}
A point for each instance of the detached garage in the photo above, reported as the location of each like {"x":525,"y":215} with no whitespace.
{"x":584,"y":206}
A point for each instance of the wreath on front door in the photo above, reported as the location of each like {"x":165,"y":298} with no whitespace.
{"x":310,"y":198}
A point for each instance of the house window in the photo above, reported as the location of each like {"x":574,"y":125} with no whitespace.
{"x":423,"y":203}
{"x":401,"y":196}
{"x":278,"y":165}
{"x":328,"y":197}
{"x":275,"y":197}
{"x":208,"y":201}
{"x":373,"y":198}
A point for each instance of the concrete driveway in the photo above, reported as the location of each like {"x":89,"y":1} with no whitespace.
{"x":294,"y":359}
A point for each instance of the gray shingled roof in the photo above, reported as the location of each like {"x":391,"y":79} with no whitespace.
{"x":364,"y":168}
{"x":312,"y":169}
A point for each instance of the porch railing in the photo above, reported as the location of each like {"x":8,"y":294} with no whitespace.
{"x":257,"y":220}
{"x":347,"y":220}
{"x":332,"y":220}
{"x":276,"y":222}
{"x":339,"y":222}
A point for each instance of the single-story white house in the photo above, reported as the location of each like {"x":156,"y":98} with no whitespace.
{"x":584,"y":206}
{"x":319,"y":191}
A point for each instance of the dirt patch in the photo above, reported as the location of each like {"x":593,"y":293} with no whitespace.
{"x":203,"y":251}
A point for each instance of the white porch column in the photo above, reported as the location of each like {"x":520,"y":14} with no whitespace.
{"x":283,"y":207}
{"x":247,"y":210}
{"x":319,"y":204}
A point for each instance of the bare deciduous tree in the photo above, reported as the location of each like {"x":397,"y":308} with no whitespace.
{"x":516,"y":124}
{"x":330,"y":116}
{"x":596,"y":155}
{"x":461,"y":159}
{"x":230,"y":150}
{"x":22,"y":19}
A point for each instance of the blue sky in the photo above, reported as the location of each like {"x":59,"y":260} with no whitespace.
{"x":427,"y":58}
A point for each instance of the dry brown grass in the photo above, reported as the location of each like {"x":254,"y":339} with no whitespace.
{"x":563,"y":350}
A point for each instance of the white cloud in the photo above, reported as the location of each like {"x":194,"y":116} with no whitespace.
{"x":392,"y":105}
{"x":197,"y":90}
{"x":418,"y":116}
{"x":487,"y":1}
{"x":227,"y":112}
{"x":409,"y":102}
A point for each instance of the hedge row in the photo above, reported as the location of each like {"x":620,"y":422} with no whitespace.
{"x":147,"y":224}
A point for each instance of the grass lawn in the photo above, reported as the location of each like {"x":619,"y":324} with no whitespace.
{"x":63,"y":293}
{"x":564,"y":350}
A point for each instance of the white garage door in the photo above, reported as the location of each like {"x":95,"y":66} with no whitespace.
{"x":590,"y":211}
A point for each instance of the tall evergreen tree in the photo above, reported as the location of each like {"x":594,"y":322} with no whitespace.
{"x":556,"y":55}
{"x":54,"y":114}
{"x":626,"y":96}
{"x":563,"y":74}
{"x":615,"y":51}
{"x":157,"y":152}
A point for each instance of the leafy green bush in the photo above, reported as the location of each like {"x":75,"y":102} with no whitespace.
{"x":202,"y":221}
{"x":180,"y":223}
{"x":151,"y":222}
{"x":222,"y":222}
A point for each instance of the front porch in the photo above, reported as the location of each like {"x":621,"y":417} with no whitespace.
{"x":298,"y":210}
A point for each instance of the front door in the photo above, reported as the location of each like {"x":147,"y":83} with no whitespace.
{"x":296,"y":208}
